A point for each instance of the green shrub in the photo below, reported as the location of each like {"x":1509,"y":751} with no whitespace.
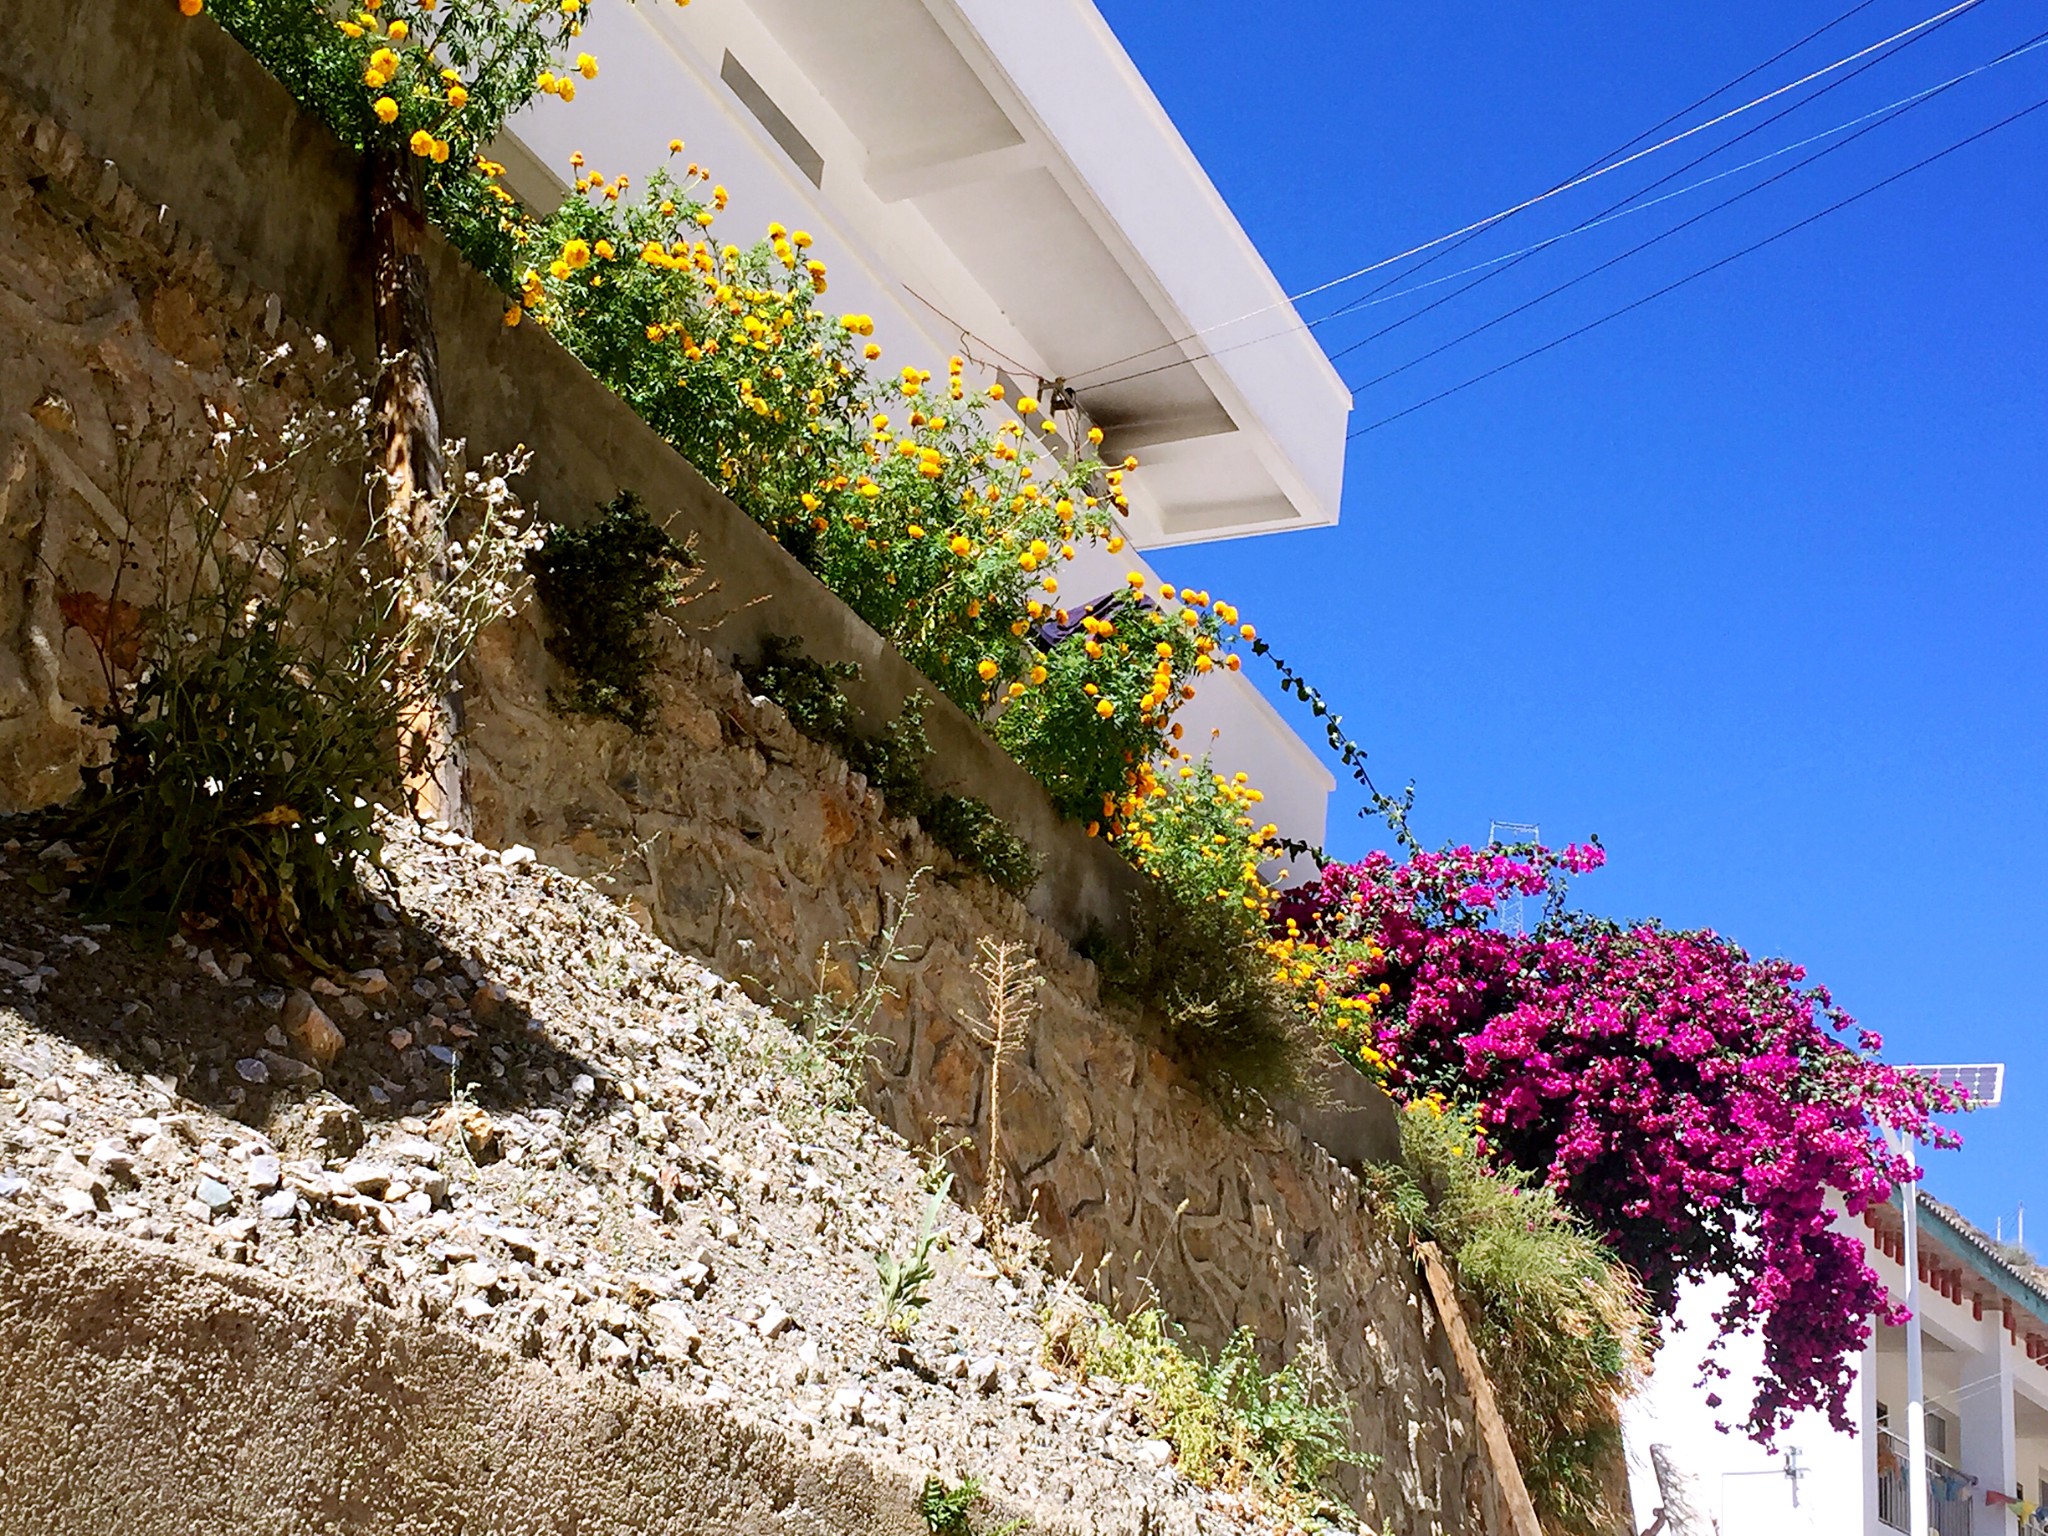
{"x":1559,"y":1323}
{"x":893,"y":762}
{"x":254,"y":697}
{"x":948,"y":1509}
{"x":1231,"y":1422}
{"x":603,"y":585}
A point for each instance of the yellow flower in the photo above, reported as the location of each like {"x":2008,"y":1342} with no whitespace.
{"x":399,"y":31}
{"x":1038,"y":674}
{"x":604,"y":249}
{"x":586,"y":66}
{"x":512,"y":316}
{"x":375,"y":79}
{"x":458,"y":97}
{"x":440,"y":152}
{"x":190,"y":7}
{"x":1105,"y":708}
{"x":576,"y":253}
{"x":987,"y":670}
{"x":422,"y":144}
{"x":1095,"y":436}
{"x":385,"y":62}
{"x":961,"y":546}
{"x":1026,"y":406}
{"x":386,"y":109}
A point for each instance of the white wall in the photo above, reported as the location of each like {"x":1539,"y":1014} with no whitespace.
{"x":1739,"y":1485}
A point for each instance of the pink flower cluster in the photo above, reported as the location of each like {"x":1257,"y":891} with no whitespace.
{"x":1696,"y":1106}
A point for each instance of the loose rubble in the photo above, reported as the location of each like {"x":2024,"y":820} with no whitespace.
{"x":532,"y":1121}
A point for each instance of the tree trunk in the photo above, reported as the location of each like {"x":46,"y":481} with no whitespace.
{"x":406,"y":422}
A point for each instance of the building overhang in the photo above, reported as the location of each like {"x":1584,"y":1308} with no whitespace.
{"x":1095,"y":251}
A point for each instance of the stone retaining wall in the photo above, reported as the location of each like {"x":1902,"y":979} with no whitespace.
{"x":731,"y":835}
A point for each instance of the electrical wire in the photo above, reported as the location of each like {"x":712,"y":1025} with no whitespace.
{"x":1622,"y":205}
{"x":1562,"y":187}
{"x":1682,"y":113}
{"x":1613,"y":213}
{"x":1701,"y":272}
{"x":1888,"y":115}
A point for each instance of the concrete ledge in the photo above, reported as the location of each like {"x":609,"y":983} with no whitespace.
{"x":196,"y":125}
{"x":149,"y":1395}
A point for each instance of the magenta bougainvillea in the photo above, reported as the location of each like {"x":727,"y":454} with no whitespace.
{"x":1698,"y":1107}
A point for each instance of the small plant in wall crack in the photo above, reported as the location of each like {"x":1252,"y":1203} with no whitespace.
{"x":1010,"y":1008}
{"x":948,"y":1509}
{"x":604,"y":585}
{"x":906,"y":1277}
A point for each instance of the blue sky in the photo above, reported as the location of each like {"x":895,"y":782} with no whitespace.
{"x":1753,"y":582}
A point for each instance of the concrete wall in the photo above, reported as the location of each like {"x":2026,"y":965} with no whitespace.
{"x":731,"y":835}
{"x":150,"y":1395}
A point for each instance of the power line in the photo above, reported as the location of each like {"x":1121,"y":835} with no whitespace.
{"x":1694,"y":276}
{"x":1683,"y":112}
{"x":1562,"y":187}
{"x":1622,"y":205}
{"x":1888,"y":115}
{"x":1612,"y":213}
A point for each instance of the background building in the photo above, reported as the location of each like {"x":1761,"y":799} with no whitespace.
{"x":1984,"y":1318}
{"x":998,"y":181}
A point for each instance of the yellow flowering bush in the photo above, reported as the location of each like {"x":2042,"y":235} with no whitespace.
{"x":1202,"y":951}
{"x":943,"y":514}
{"x":433,"y":78}
{"x":723,"y":351}
{"x":1107,"y":683}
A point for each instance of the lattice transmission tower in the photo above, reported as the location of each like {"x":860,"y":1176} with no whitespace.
{"x":1510,"y":834}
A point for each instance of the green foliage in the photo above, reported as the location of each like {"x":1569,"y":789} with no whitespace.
{"x":1231,"y":1422}
{"x":905,"y":1277}
{"x":946,"y":1510}
{"x":975,"y":835}
{"x":603,"y":585}
{"x":255,"y":696}
{"x":893,"y":762}
{"x":808,"y":690}
{"x":237,"y":788}
{"x":1560,"y":1324}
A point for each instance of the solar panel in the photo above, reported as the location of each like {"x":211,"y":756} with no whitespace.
{"x":1981,"y":1084}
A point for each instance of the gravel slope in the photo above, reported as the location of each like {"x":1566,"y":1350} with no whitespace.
{"x":533,"y":1121}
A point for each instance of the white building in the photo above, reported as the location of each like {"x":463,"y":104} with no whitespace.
{"x":997,"y":180}
{"x":1984,"y":1319}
